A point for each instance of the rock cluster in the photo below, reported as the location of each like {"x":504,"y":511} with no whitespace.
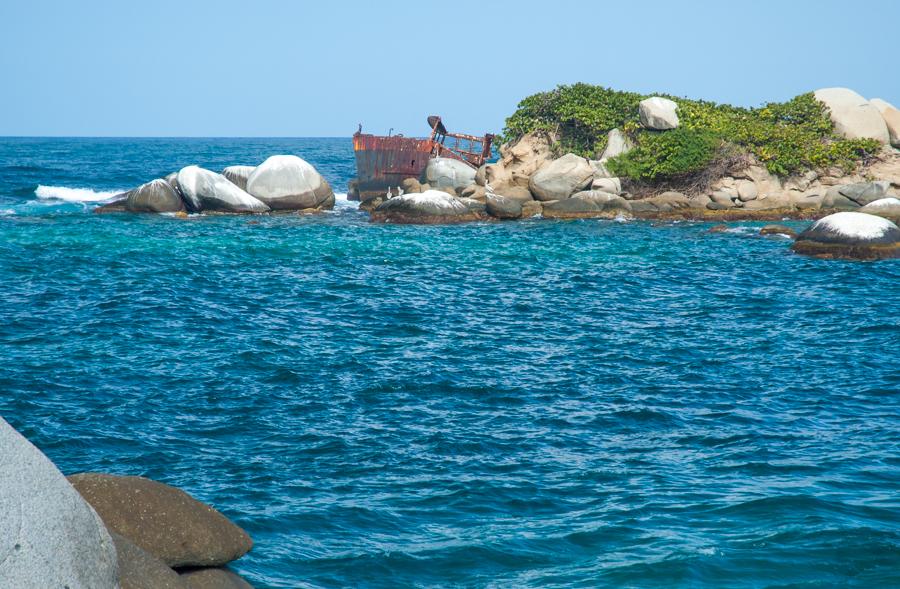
{"x":102,"y":531}
{"x":281,"y":183}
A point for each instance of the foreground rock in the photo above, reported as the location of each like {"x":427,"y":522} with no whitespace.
{"x":891,"y":117}
{"x":443,"y":172}
{"x":429,"y":207}
{"x":213,"y":579}
{"x":591,"y":204}
{"x":204,"y":190}
{"x":162,"y":520}
{"x":157,"y":196}
{"x":659,"y":113}
{"x":561,"y":178}
{"x":502,"y":207}
{"x":238,"y":175}
{"x":138,"y":569}
{"x":850,"y":235}
{"x":853,"y":116}
{"x":287,"y":182}
{"x":49,"y":536}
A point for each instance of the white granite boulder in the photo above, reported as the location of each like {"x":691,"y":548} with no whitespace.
{"x":561,"y":178}
{"x":429,"y":207}
{"x":445,"y":172}
{"x":49,"y":536}
{"x":884,"y":207}
{"x":853,"y":116}
{"x":850,"y":235}
{"x":238,"y":175}
{"x":287,"y":182}
{"x":617,"y":143}
{"x":204,"y":190}
{"x":891,"y":116}
{"x":659,"y":113}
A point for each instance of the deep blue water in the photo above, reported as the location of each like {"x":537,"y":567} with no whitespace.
{"x":535,"y":404}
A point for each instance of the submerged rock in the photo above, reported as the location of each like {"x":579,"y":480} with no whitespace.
{"x":561,"y":178}
{"x":162,"y":520}
{"x":659,"y":113}
{"x":429,"y":207}
{"x":287,"y":182}
{"x":853,"y":116}
{"x":157,"y":196}
{"x":778,"y":230}
{"x":443,"y":172}
{"x":850,"y":235}
{"x":588,"y":204}
{"x":204,"y":190}
{"x":238,"y":175}
{"x":49,"y":536}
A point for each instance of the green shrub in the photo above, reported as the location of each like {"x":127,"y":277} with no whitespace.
{"x":787,"y":138}
{"x":666,"y":156}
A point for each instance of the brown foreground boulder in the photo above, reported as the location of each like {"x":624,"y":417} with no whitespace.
{"x":162,"y":520}
{"x":138,"y":569}
{"x":216,"y":578}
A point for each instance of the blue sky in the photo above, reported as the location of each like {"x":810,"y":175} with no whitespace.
{"x":292,"y":68}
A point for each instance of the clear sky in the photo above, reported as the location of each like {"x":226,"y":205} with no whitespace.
{"x":295,"y":68}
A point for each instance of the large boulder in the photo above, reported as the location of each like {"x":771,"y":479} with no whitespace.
{"x":429,"y":207}
{"x":853,"y":116}
{"x":588,"y":204}
{"x":49,"y":536}
{"x":850,"y":235}
{"x":214,"y":578}
{"x":502,"y":207}
{"x":561,"y":178}
{"x":617,"y":143}
{"x":157,"y":196}
{"x":138,"y":569}
{"x":884,"y":207}
{"x":658,"y":113}
{"x":238,"y":175}
{"x":287,"y":182}
{"x":165,"y":521}
{"x":444,"y":172}
{"x":860,"y":194}
{"x":891,"y":117}
{"x":204,"y":190}
{"x":519,"y":160}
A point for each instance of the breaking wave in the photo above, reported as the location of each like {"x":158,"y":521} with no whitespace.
{"x":67,"y":194}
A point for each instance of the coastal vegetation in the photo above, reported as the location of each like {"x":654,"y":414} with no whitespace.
{"x":788,"y":138}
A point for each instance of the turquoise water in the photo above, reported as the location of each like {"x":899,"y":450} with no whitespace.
{"x":535,"y":404}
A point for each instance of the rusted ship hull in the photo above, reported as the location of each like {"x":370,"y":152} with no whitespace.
{"x":383,"y":162}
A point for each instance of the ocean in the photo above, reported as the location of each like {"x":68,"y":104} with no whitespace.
{"x":581,"y":403}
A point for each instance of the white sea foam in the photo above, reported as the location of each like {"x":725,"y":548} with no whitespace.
{"x":67,"y":194}
{"x":7,"y":212}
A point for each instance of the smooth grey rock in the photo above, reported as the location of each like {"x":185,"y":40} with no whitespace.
{"x":862,"y":193}
{"x":891,"y":116}
{"x":204,"y":190}
{"x":590,"y":203}
{"x":162,"y":520}
{"x":238,"y":175}
{"x":747,"y":190}
{"x":287,"y":182}
{"x":659,"y":113}
{"x":214,"y":578}
{"x":519,"y":193}
{"x":853,"y":116}
{"x":884,"y":207}
{"x":616,"y":144}
{"x":156,"y":196}
{"x":610,"y":185}
{"x":722,"y":198}
{"x":443,"y":172}
{"x":561,"y":178}
{"x":49,"y":536}
{"x":138,"y":569}
{"x":502,"y":207}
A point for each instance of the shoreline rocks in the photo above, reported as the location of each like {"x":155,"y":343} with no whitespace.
{"x":206,"y":190}
{"x":287,"y":182}
{"x":431,"y":206}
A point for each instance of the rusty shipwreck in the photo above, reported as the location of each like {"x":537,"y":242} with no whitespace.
{"x":383,"y":162}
